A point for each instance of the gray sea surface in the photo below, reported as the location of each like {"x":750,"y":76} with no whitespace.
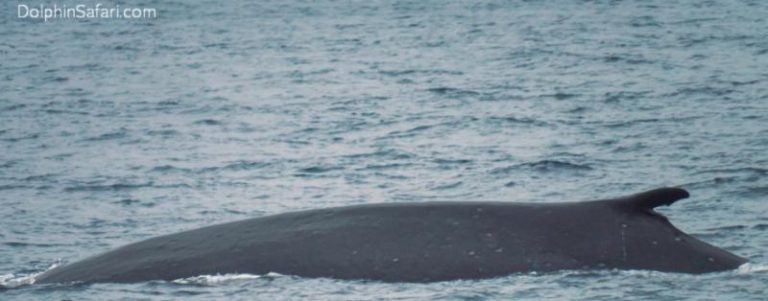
{"x":115,"y":130}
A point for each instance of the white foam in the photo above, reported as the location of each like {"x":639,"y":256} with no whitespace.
{"x":219,"y":279}
{"x":751,"y":268}
{"x":16,"y":280}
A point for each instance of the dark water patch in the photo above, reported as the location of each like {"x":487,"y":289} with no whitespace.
{"x":760,"y":227}
{"x":628,"y":123}
{"x":169,"y":103}
{"x":108,"y":187}
{"x":22,"y":138}
{"x":543,"y":166}
{"x":644,"y":21}
{"x":320,"y":169}
{"x":739,"y":170}
{"x":753,"y":192}
{"x":613,"y":97}
{"x":731,"y":228}
{"x":56,"y":79}
{"x":13,"y":107}
{"x":240,"y":166}
{"x":554,"y":165}
{"x":12,"y":187}
{"x":448,"y":186}
{"x":169,"y":169}
{"x":618,"y":58}
{"x":561,"y":95}
{"x":162,"y":133}
{"x":453,"y":92}
{"x":301,"y":74}
{"x":85,"y":67}
{"x":744,"y":83}
{"x":452,"y":161}
{"x":519,"y":120}
{"x":8,"y":164}
{"x":133,"y":202}
{"x":691,"y":21}
{"x":208,"y":122}
{"x":391,"y":176}
{"x":407,"y":133}
{"x":419,"y":128}
{"x":714,"y":181}
{"x":43,"y":177}
{"x":122,"y":133}
{"x":385,"y":166}
{"x":18,"y":244}
{"x":70,"y":112}
{"x":389,"y":154}
{"x":705,"y":91}
{"x":396,"y":73}
{"x":634,"y":147}
{"x":577,"y":110}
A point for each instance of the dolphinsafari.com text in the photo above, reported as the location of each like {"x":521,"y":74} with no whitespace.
{"x":83,"y":11}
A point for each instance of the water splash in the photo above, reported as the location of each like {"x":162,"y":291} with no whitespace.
{"x":752,"y":268}
{"x":12,"y":280}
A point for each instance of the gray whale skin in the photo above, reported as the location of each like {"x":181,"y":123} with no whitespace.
{"x":419,"y":242}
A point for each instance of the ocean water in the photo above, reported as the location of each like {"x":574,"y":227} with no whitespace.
{"x":113,"y":131}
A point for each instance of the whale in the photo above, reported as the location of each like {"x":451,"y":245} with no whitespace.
{"x":419,"y":242}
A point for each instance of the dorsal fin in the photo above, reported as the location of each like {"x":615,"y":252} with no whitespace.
{"x":654,"y":198}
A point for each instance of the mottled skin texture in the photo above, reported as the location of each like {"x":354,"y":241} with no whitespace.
{"x":419,"y":242}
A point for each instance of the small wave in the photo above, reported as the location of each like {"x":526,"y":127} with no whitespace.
{"x":27,"y":137}
{"x":452,"y":162}
{"x":631,"y":122}
{"x":419,"y":128}
{"x":519,"y":120}
{"x":391,"y":154}
{"x":634,"y":122}
{"x":240,"y":165}
{"x":544,"y":166}
{"x":111,"y":187}
{"x":219,"y":279}
{"x":755,"y":191}
{"x":108,"y":136}
{"x":395,"y":73}
{"x":624,"y":59}
{"x":756,"y":170}
{"x":453,"y":92}
{"x":448,"y":186}
{"x":707,"y":91}
{"x":384,"y":166}
{"x":616,"y":97}
{"x":727,"y":228}
{"x":71,"y":112}
{"x":13,"y":107}
{"x":134,"y":202}
{"x":11,"y":187}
